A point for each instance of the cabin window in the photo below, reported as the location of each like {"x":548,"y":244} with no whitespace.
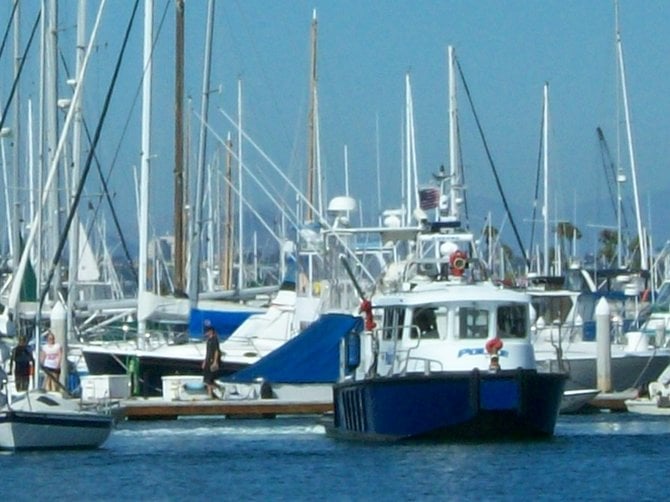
{"x":473,"y":322}
{"x":512,"y":320}
{"x":424,"y":322}
{"x":394,"y":319}
{"x":553,"y":309}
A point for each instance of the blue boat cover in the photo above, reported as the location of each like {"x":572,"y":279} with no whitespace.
{"x":311,"y":357}
{"x":224,"y":322}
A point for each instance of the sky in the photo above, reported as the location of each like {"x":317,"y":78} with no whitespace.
{"x":506,"y":49}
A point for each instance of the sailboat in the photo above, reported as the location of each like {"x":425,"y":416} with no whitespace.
{"x":36,"y":419}
{"x":39,"y":420}
{"x":564,"y":327}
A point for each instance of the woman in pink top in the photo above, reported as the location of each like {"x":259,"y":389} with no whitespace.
{"x":50,"y":358}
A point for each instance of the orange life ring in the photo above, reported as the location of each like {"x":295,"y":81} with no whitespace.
{"x":458,"y":262}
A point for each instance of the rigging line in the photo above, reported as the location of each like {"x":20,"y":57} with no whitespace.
{"x":292,"y":185}
{"x":89,"y":159}
{"x":289,"y":214}
{"x":9,"y":25}
{"x":491,"y":163}
{"x":105,"y":189}
{"x":537,"y":180}
{"x":18,"y":73}
{"x":606,"y":157}
{"x":608,"y":166}
{"x":322,"y":221}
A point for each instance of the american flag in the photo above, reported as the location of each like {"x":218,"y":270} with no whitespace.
{"x":429,"y":198}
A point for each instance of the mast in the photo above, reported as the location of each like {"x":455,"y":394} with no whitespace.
{"x":454,"y":198}
{"x":194,"y":243}
{"x":179,"y":150}
{"x":16,"y":172}
{"x":145,"y":165}
{"x":631,"y":154}
{"x":240,"y":196}
{"x":227,"y":266}
{"x":73,"y":264}
{"x":311,"y":147}
{"x":545,"y":153}
{"x":51,"y":125}
{"x":411,"y":173}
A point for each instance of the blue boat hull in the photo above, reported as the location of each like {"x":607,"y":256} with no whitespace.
{"x":514,"y":404}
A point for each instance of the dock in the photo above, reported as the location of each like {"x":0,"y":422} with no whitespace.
{"x":613,"y":401}
{"x":160,"y":409}
{"x":186,"y":396}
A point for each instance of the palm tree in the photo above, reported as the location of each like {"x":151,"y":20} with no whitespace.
{"x":566,"y":231}
{"x":608,"y":245}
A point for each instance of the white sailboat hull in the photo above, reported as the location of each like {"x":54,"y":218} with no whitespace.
{"x":33,"y":430}
{"x":39,"y":420}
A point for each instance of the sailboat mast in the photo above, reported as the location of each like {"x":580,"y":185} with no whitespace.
{"x":16,"y":172}
{"x":411,"y":173}
{"x":196,"y":218}
{"x":179,"y":149}
{"x":73,"y":264}
{"x":227,"y":267}
{"x":453,"y":135}
{"x":240,"y":195}
{"x":311,"y":147}
{"x":545,"y":202}
{"x":51,"y":124}
{"x":145,"y":163}
{"x":631,"y":154}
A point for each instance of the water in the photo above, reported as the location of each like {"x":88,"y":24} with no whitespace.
{"x":604,"y":456}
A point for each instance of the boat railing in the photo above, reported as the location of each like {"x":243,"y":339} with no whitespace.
{"x":106,"y":406}
{"x":427,"y":364}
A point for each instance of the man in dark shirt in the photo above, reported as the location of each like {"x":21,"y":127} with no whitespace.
{"x":212,"y":363}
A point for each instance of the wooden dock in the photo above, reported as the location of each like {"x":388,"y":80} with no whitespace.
{"x":159,"y":409}
{"x":613,"y":401}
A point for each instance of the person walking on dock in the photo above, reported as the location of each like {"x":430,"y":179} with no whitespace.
{"x":212,"y":363}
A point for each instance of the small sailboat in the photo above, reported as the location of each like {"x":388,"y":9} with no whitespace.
{"x":39,"y":420}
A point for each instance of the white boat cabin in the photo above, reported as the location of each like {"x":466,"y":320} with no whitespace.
{"x":441,"y":327}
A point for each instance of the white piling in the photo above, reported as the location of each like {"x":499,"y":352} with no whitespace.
{"x":604,"y":349}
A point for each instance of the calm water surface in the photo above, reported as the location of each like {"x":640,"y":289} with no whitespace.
{"x":594,"y":457}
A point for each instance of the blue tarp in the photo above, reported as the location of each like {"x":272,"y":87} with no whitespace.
{"x":311,"y":357}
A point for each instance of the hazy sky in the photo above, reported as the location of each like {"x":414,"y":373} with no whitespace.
{"x":507,"y":50}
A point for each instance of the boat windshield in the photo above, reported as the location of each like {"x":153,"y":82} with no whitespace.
{"x":394,"y":320}
{"x":424,"y":322}
{"x":473,"y":322}
{"x":512,"y":321}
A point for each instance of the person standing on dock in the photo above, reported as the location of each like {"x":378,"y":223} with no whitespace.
{"x":21,"y":364}
{"x":212,"y":363}
{"x":51,"y":359}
